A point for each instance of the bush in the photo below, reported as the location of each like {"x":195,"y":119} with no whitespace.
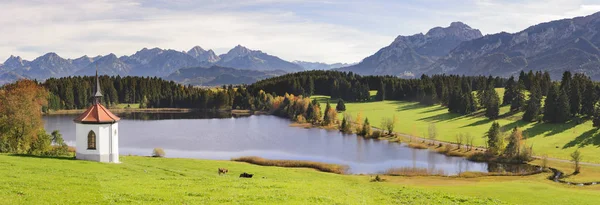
{"x":376,"y":134}
{"x":158,"y":152}
{"x":300,"y":119}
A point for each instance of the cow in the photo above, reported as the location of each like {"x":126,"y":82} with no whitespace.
{"x":223,"y":171}
{"x":246,"y":175}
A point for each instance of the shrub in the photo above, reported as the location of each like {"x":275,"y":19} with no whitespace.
{"x":376,"y":134}
{"x":158,"y":152}
{"x":300,"y":119}
{"x":377,"y":179}
{"x":417,"y":146}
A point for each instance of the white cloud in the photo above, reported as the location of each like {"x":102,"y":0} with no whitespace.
{"x":333,"y":31}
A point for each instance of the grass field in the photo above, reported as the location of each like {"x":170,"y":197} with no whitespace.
{"x":554,"y":140}
{"x":124,"y":105}
{"x":145,"y":180}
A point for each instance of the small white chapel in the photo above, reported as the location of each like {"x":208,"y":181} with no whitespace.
{"x":97,"y":132}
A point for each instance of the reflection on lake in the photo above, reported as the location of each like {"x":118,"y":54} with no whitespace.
{"x":220,"y":136}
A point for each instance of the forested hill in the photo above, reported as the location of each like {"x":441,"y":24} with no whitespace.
{"x":150,"y":92}
{"x":353,"y":87}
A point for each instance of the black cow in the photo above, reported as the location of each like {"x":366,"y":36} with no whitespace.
{"x":246,"y":175}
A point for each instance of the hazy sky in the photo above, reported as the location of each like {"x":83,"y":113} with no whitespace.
{"x":325,"y":30}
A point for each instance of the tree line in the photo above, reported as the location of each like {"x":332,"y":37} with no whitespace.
{"x":148,"y":92}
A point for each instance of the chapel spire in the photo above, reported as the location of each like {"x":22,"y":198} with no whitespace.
{"x":98,"y":94}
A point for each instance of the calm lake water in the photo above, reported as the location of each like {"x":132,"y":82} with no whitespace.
{"x":221,"y":136}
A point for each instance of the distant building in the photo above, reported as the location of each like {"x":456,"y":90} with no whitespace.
{"x":97,"y":137}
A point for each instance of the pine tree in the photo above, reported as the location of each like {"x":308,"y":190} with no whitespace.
{"x":340,"y":107}
{"x":366,"y":129}
{"x":590,"y":98}
{"x":381,"y":92}
{"x":574,"y":96}
{"x":518,"y":102}
{"x":596,"y":117}
{"x":494,"y":139}
{"x":565,"y":83}
{"x":468,"y":103}
{"x":510,"y":91}
{"x":550,"y":110}
{"x":492,"y":105}
{"x":346,"y":127}
{"x":532,"y":107}
{"x":563,"y":113}
{"x":545,"y":83}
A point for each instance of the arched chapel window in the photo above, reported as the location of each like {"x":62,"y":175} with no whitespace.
{"x":91,"y":140}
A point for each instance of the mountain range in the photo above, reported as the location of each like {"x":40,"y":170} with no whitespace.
{"x":567,"y":44}
{"x":320,"y":66}
{"x":150,"y":62}
{"x":409,"y":55}
{"x":556,"y":46}
{"x":217,"y":75}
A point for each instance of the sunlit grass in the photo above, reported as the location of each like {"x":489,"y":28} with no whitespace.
{"x":554,"y":140}
{"x":147,"y":180}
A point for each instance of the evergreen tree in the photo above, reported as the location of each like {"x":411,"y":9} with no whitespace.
{"x":545,"y":83}
{"x":494,"y":139}
{"x":596,"y":117}
{"x":468,"y":103}
{"x":518,"y":102}
{"x":346,"y":127}
{"x":510,"y":91}
{"x":366,"y":128}
{"x":522,"y":79}
{"x":574,"y":96}
{"x":340,"y":107}
{"x":563,"y":113}
{"x":532,"y":107}
{"x":492,"y":105}
{"x":550,"y":109}
{"x":590,"y":98}
{"x":381,"y":92}
{"x":565,"y":83}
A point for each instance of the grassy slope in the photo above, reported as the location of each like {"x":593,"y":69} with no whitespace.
{"x":554,"y":140}
{"x":146,"y":180}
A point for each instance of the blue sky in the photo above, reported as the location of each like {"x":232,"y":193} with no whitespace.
{"x":326,"y":30}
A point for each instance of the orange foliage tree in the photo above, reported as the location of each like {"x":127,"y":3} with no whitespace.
{"x":21,"y":115}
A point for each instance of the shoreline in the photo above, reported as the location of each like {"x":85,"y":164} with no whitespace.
{"x":235,"y":112}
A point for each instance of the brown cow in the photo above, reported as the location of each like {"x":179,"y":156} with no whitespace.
{"x":223,"y":171}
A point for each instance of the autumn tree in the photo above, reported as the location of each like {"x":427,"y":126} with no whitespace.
{"x":20,"y":115}
{"x":515,"y":139}
{"x":359,"y":123}
{"x":388,"y":124}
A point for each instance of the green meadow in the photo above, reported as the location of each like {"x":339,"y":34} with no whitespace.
{"x":146,"y":180}
{"x":553,"y":140}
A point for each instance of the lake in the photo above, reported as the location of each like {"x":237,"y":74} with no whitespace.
{"x":221,"y":136}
